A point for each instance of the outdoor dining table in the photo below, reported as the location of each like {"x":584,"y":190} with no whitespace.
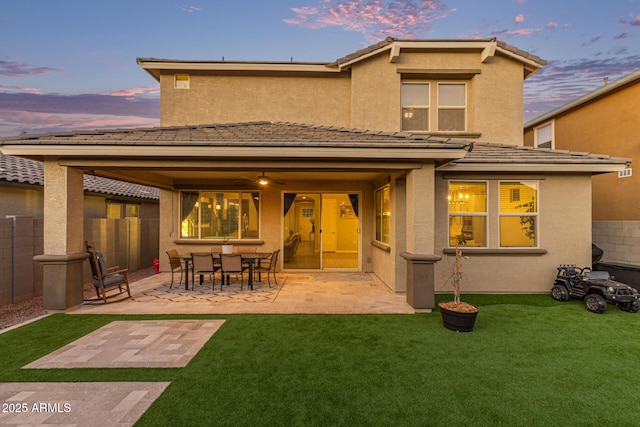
{"x":250,"y":257}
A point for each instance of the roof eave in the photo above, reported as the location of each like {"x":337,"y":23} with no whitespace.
{"x":155,"y":67}
{"x":488,"y":48}
{"x":40,"y":151}
{"x":533,"y":167}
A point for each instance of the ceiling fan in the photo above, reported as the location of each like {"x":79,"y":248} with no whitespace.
{"x":263,"y":180}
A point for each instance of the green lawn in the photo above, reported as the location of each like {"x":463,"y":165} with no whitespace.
{"x":530,"y":361}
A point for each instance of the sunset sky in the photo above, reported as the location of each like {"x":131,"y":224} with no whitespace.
{"x":71,"y":64}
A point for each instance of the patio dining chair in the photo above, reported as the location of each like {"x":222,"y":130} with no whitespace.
{"x":248,"y":250}
{"x":175,"y":263}
{"x":232,"y":264}
{"x":203,"y":264}
{"x":106,"y":279}
{"x":269,"y":269}
{"x":216,"y":251}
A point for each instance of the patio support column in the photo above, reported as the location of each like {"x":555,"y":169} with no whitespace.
{"x":63,"y":236}
{"x":420,"y":237}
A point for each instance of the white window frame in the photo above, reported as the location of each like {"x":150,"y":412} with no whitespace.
{"x":464,"y":107}
{"x":426,"y":106}
{"x":536,"y":138}
{"x":380,"y":191}
{"x":535,"y":214}
{"x":484,"y":214}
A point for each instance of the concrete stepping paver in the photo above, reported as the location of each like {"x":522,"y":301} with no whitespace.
{"x":134,"y":344}
{"x":102,"y":404}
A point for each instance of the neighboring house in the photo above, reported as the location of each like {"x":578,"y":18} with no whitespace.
{"x":22,"y":184}
{"x":407,"y":145}
{"x":121,"y":218}
{"x":605,"y":120}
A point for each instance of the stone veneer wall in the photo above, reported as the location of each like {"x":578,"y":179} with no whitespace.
{"x":620,"y":240}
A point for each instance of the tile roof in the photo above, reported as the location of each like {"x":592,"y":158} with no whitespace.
{"x":390,"y":40}
{"x":515,"y":154}
{"x":282,"y":134}
{"x":24,"y":171}
{"x":257,"y":134}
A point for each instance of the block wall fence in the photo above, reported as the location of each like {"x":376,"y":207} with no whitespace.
{"x":128,"y":243}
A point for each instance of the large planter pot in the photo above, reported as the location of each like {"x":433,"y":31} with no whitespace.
{"x":457,"y":320}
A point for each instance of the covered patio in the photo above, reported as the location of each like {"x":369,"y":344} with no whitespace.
{"x":209,"y":173}
{"x":295,"y":293}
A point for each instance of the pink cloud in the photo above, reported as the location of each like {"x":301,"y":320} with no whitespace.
{"x":561,"y":81}
{"x":504,"y":33}
{"x":14,"y":122}
{"x":515,"y":33}
{"x":520,"y":18}
{"x":18,"y":89}
{"x":15,"y":69}
{"x":135,"y":91}
{"x":634,"y":21}
{"x":375,"y":19}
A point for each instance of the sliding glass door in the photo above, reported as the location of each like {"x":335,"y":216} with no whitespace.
{"x":321,"y":231}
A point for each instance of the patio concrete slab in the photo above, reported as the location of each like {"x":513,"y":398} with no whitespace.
{"x":134,"y":344}
{"x":102,"y":404}
{"x":299,"y":293}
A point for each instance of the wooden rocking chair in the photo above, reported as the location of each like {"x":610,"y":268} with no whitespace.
{"x":106,"y":279}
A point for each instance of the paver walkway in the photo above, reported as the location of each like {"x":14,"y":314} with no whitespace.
{"x":99,"y":404}
{"x":134,"y":344}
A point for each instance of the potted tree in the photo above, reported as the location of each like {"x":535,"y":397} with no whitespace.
{"x":457,"y":315}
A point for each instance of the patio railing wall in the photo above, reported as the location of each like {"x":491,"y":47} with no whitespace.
{"x":128,"y":243}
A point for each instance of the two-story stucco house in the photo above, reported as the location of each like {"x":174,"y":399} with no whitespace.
{"x":373,"y":163}
{"x":604,"y":120}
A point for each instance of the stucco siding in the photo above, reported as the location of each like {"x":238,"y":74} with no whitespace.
{"x":609,"y":126}
{"x":375,"y":95}
{"x":20,"y":201}
{"x":564,"y":232}
{"x":376,"y":92}
{"x":235,"y":99}
{"x":499,"y":116}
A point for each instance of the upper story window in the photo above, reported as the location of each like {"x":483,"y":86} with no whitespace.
{"x":452,"y":105}
{"x":383,"y":214}
{"x":181,"y":81}
{"x":220,"y":214}
{"x":544,"y":136}
{"x":449,"y":98}
{"x":415,"y":106}
{"x":519,"y":214}
{"x":468,"y":212}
